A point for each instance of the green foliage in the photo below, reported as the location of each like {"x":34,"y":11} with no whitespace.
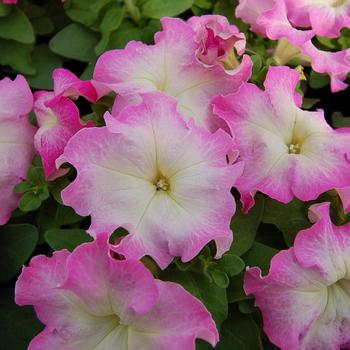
{"x":16,"y":26}
{"x":318,"y":81}
{"x":75,"y":41}
{"x":18,"y":324}
{"x":239,"y":332}
{"x":17,"y":243}
{"x":339,"y":121}
{"x":66,"y":239}
{"x":213,"y":297}
{"x":44,"y":62}
{"x":289,"y":218}
{"x":245,"y":226}
{"x":35,"y":188}
{"x":160,"y":8}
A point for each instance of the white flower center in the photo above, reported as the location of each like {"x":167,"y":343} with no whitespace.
{"x":162,"y":184}
{"x":294,"y":148}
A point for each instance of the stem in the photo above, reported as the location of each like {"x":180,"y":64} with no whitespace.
{"x":133,"y":11}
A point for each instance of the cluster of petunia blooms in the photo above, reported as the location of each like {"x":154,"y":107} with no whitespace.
{"x":186,"y":127}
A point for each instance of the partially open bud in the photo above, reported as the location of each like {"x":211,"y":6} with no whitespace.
{"x":219,"y":42}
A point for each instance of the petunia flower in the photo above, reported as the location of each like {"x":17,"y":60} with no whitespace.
{"x":165,"y":182}
{"x":326,"y":18}
{"x":16,"y":140}
{"x":69,"y":85}
{"x":88,"y":300}
{"x":250,"y":10}
{"x":8,"y":2}
{"x":335,"y":64}
{"x":281,"y":20}
{"x":288,"y":152}
{"x":305,"y":298}
{"x":218,"y":41}
{"x":170,"y":66}
{"x":58,"y":120}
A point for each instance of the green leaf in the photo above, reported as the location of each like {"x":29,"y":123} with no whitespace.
{"x":4,"y":9}
{"x":123,"y":36}
{"x":53,"y":215}
{"x":327,"y":42}
{"x":219,"y":277}
{"x":85,"y":11}
{"x":245,"y":226}
{"x":17,"y":243}
{"x":17,"y":55}
{"x":23,"y":187}
{"x":16,"y":26}
{"x":246,"y":306}
{"x":75,"y":41}
{"x":203,"y":4}
{"x":19,"y":325}
{"x":339,"y":121}
{"x":160,"y":8}
{"x":43,"y":25}
{"x":257,"y":64}
{"x":239,"y":332}
{"x":289,"y":218}
{"x":235,"y":290}
{"x":110,"y":22}
{"x":260,"y":255}
{"x":231,"y":264}
{"x":32,"y":10}
{"x":318,"y":81}
{"x":308,"y":103}
{"x":213,"y":297}
{"x":44,"y":62}
{"x":66,"y":239}
{"x":56,"y":188}
{"x":112,"y":19}
{"x":36,"y":175}
{"x":29,"y":202}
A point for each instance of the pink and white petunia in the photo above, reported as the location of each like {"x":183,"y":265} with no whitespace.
{"x":165,"y":182}
{"x":288,"y":152}
{"x":89,"y":300}
{"x":305,"y":298}
{"x":218,"y":41}
{"x":58,"y":120}
{"x":250,"y":10}
{"x":325,"y":17}
{"x":170,"y":66}
{"x":69,"y":85}
{"x":278,"y":27}
{"x":9,"y":2}
{"x":16,"y":141}
{"x":281,"y":20}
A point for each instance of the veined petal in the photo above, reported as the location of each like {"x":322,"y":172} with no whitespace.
{"x":16,"y":154}
{"x":250,"y":10}
{"x":89,"y":300}
{"x":326,"y":18}
{"x":68,"y":84}
{"x":161,"y":329}
{"x":305,"y":299}
{"x":170,"y":66}
{"x":58,"y":119}
{"x":287,"y":151}
{"x":16,"y":98}
{"x":147,"y":167}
